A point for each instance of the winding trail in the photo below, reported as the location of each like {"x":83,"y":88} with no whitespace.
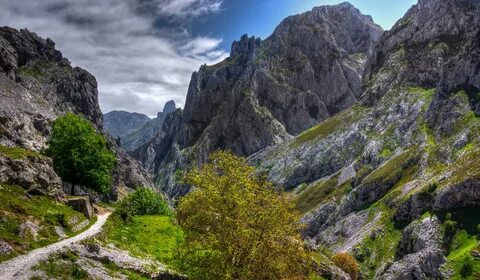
{"x":18,"y":267}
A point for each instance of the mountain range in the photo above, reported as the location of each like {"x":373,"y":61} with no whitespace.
{"x":374,"y":133}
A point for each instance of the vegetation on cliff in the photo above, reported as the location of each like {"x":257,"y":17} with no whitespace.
{"x":80,"y":154}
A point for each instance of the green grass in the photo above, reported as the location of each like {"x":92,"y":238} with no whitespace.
{"x":381,"y":249}
{"x":425,"y":94}
{"x":151,"y":235}
{"x":16,"y":208}
{"x":36,"y":70}
{"x":317,"y":193}
{"x":466,"y":167}
{"x":62,"y":266}
{"x":328,"y":126}
{"x":391,"y":170}
{"x":464,"y":241}
{"x":17,"y":152}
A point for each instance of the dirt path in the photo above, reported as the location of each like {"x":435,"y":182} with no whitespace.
{"x":17,"y":268}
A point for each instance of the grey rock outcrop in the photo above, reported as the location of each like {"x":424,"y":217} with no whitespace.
{"x":419,"y":253}
{"x":28,"y":230}
{"x":35,"y":174}
{"x":5,"y":248}
{"x":100,"y":255}
{"x":82,"y":205}
{"x":169,"y":107}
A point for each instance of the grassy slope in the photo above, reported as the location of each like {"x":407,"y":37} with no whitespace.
{"x":145,"y":236}
{"x":17,"y":152}
{"x":16,"y":207}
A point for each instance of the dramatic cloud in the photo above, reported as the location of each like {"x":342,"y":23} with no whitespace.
{"x":140,"y":53}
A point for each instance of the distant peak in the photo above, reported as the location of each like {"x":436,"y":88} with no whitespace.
{"x":169,"y":107}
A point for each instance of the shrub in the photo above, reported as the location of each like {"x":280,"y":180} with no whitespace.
{"x":450,"y":228}
{"x":238,"y":226}
{"x":348,"y":264}
{"x":467,"y":267}
{"x":432,"y":187}
{"x":80,"y":154}
{"x":144,"y":201}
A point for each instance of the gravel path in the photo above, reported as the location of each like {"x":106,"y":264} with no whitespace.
{"x":17,"y":268}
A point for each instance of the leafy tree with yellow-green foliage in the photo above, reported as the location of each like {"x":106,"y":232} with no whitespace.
{"x":238,"y":226}
{"x":348,"y":264}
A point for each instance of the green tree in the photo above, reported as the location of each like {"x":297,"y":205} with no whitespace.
{"x":80,"y":154}
{"x":238,"y":226}
{"x":143,"y":201}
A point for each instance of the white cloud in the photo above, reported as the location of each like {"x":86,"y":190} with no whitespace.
{"x":138,"y":66}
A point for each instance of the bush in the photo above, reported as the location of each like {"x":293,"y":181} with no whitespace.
{"x":467,"y":267}
{"x":450,"y":228}
{"x":432,"y":187}
{"x":144,"y":201}
{"x":348,"y":264}
{"x":80,"y":154}
{"x":238,"y":226}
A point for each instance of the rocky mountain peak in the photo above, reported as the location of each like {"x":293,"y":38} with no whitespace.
{"x":244,"y":47}
{"x":25,"y":48}
{"x":436,"y":42}
{"x":269,"y":90}
{"x":169,"y":107}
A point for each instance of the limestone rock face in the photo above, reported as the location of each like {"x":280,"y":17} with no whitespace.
{"x":419,"y":254}
{"x":409,"y":147}
{"x":37,"y":84}
{"x":309,"y":69}
{"x":35,"y":174}
{"x":434,"y":44}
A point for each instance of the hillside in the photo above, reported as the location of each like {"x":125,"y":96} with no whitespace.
{"x":385,"y":178}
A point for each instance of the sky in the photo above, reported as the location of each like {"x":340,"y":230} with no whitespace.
{"x":143,"y":52}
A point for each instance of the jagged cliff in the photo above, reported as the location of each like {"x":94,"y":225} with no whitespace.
{"x":149,"y":130}
{"x":406,"y":155}
{"x":309,"y":69}
{"x":37,"y":84}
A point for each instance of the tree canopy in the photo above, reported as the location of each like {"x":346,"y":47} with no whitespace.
{"x":238,"y":226}
{"x":143,"y":201}
{"x":80,"y":154}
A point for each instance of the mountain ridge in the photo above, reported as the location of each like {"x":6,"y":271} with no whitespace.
{"x":267,"y":91}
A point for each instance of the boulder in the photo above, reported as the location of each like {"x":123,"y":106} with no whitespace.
{"x":34,"y":173}
{"x":5,"y":248}
{"x":28,"y":230}
{"x":81,"y":204}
